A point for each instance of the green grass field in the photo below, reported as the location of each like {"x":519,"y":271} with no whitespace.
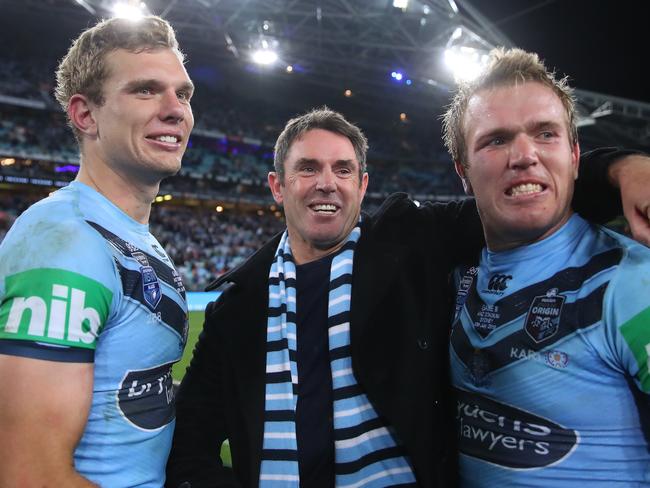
{"x":178,"y":370}
{"x":196,"y":324}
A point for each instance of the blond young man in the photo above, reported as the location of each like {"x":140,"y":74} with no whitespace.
{"x":549,"y":348}
{"x":92,"y":310}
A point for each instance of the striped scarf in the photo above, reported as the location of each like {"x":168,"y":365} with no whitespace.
{"x":366,"y":453}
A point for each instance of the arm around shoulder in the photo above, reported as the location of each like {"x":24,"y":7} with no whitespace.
{"x":614,"y":181}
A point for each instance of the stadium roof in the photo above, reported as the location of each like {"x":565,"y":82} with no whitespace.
{"x":345,"y":44}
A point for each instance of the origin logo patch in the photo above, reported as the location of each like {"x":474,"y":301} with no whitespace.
{"x":543,"y":318}
{"x":504,"y":435}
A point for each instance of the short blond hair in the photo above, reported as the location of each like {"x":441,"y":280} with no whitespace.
{"x":505,"y":68}
{"x":83,"y":70}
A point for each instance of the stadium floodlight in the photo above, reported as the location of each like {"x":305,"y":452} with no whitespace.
{"x":465,"y":62}
{"x":397,"y":75}
{"x":265,"y":56}
{"x":466,"y":53}
{"x":458,"y":31}
{"x":129,"y":10}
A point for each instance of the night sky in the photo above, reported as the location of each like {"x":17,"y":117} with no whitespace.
{"x":603,"y":45}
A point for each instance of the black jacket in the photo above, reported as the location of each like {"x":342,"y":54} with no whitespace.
{"x":399,"y":339}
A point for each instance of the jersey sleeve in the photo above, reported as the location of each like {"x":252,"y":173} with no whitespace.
{"x":627,"y":315}
{"x":57,"y":285}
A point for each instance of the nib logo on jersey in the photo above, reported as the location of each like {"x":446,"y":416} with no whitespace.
{"x":504,"y":435}
{"x":54,"y":306}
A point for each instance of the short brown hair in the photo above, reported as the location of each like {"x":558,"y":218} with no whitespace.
{"x":319,"y":118}
{"x":506,"y":67}
{"x":83,"y":70}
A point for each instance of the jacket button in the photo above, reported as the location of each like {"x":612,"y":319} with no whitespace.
{"x":423,"y":344}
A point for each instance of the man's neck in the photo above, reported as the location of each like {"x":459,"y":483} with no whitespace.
{"x":500,"y":242}
{"x":307,"y":254}
{"x":132,"y":198}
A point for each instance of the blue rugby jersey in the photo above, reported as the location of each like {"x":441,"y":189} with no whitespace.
{"x":549,"y":354}
{"x":80,"y":281}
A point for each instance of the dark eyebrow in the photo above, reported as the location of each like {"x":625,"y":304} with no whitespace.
{"x":499,"y":132}
{"x":344,"y":162}
{"x":545,"y":124}
{"x":306,"y":161}
{"x":139,"y":83}
{"x":188,"y":86}
{"x":339,"y":162}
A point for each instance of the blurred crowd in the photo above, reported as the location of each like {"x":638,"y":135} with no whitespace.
{"x":228,"y":158}
{"x":205,"y":244}
{"x":202,"y":243}
{"x":231,"y":148}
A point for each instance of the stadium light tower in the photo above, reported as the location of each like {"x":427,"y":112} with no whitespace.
{"x":465,"y":54}
{"x":465,"y":62}
{"x":265,"y":55}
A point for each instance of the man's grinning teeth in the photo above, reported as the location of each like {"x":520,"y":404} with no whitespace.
{"x":172,"y":139}
{"x":324,"y":208}
{"x":525,"y":189}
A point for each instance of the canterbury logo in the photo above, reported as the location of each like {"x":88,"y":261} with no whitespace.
{"x":499,"y":282}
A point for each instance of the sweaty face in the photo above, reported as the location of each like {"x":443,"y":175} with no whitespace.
{"x":145,"y":121}
{"x":321,"y":193}
{"x":521,"y":163}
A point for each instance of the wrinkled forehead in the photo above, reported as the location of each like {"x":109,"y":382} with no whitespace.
{"x":322,"y":145}
{"x":511,"y":107}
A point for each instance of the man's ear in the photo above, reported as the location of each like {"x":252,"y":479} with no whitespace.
{"x":575,"y":159}
{"x":276,"y":187}
{"x":81,"y":115}
{"x":467,"y":185}
{"x":364,"y":184}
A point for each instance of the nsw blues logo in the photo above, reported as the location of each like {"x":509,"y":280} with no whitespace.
{"x":543,"y":319}
{"x":150,"y":287}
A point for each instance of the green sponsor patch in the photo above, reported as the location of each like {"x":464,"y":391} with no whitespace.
{"x":54,"y":306}
{"x":636,"y":332}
